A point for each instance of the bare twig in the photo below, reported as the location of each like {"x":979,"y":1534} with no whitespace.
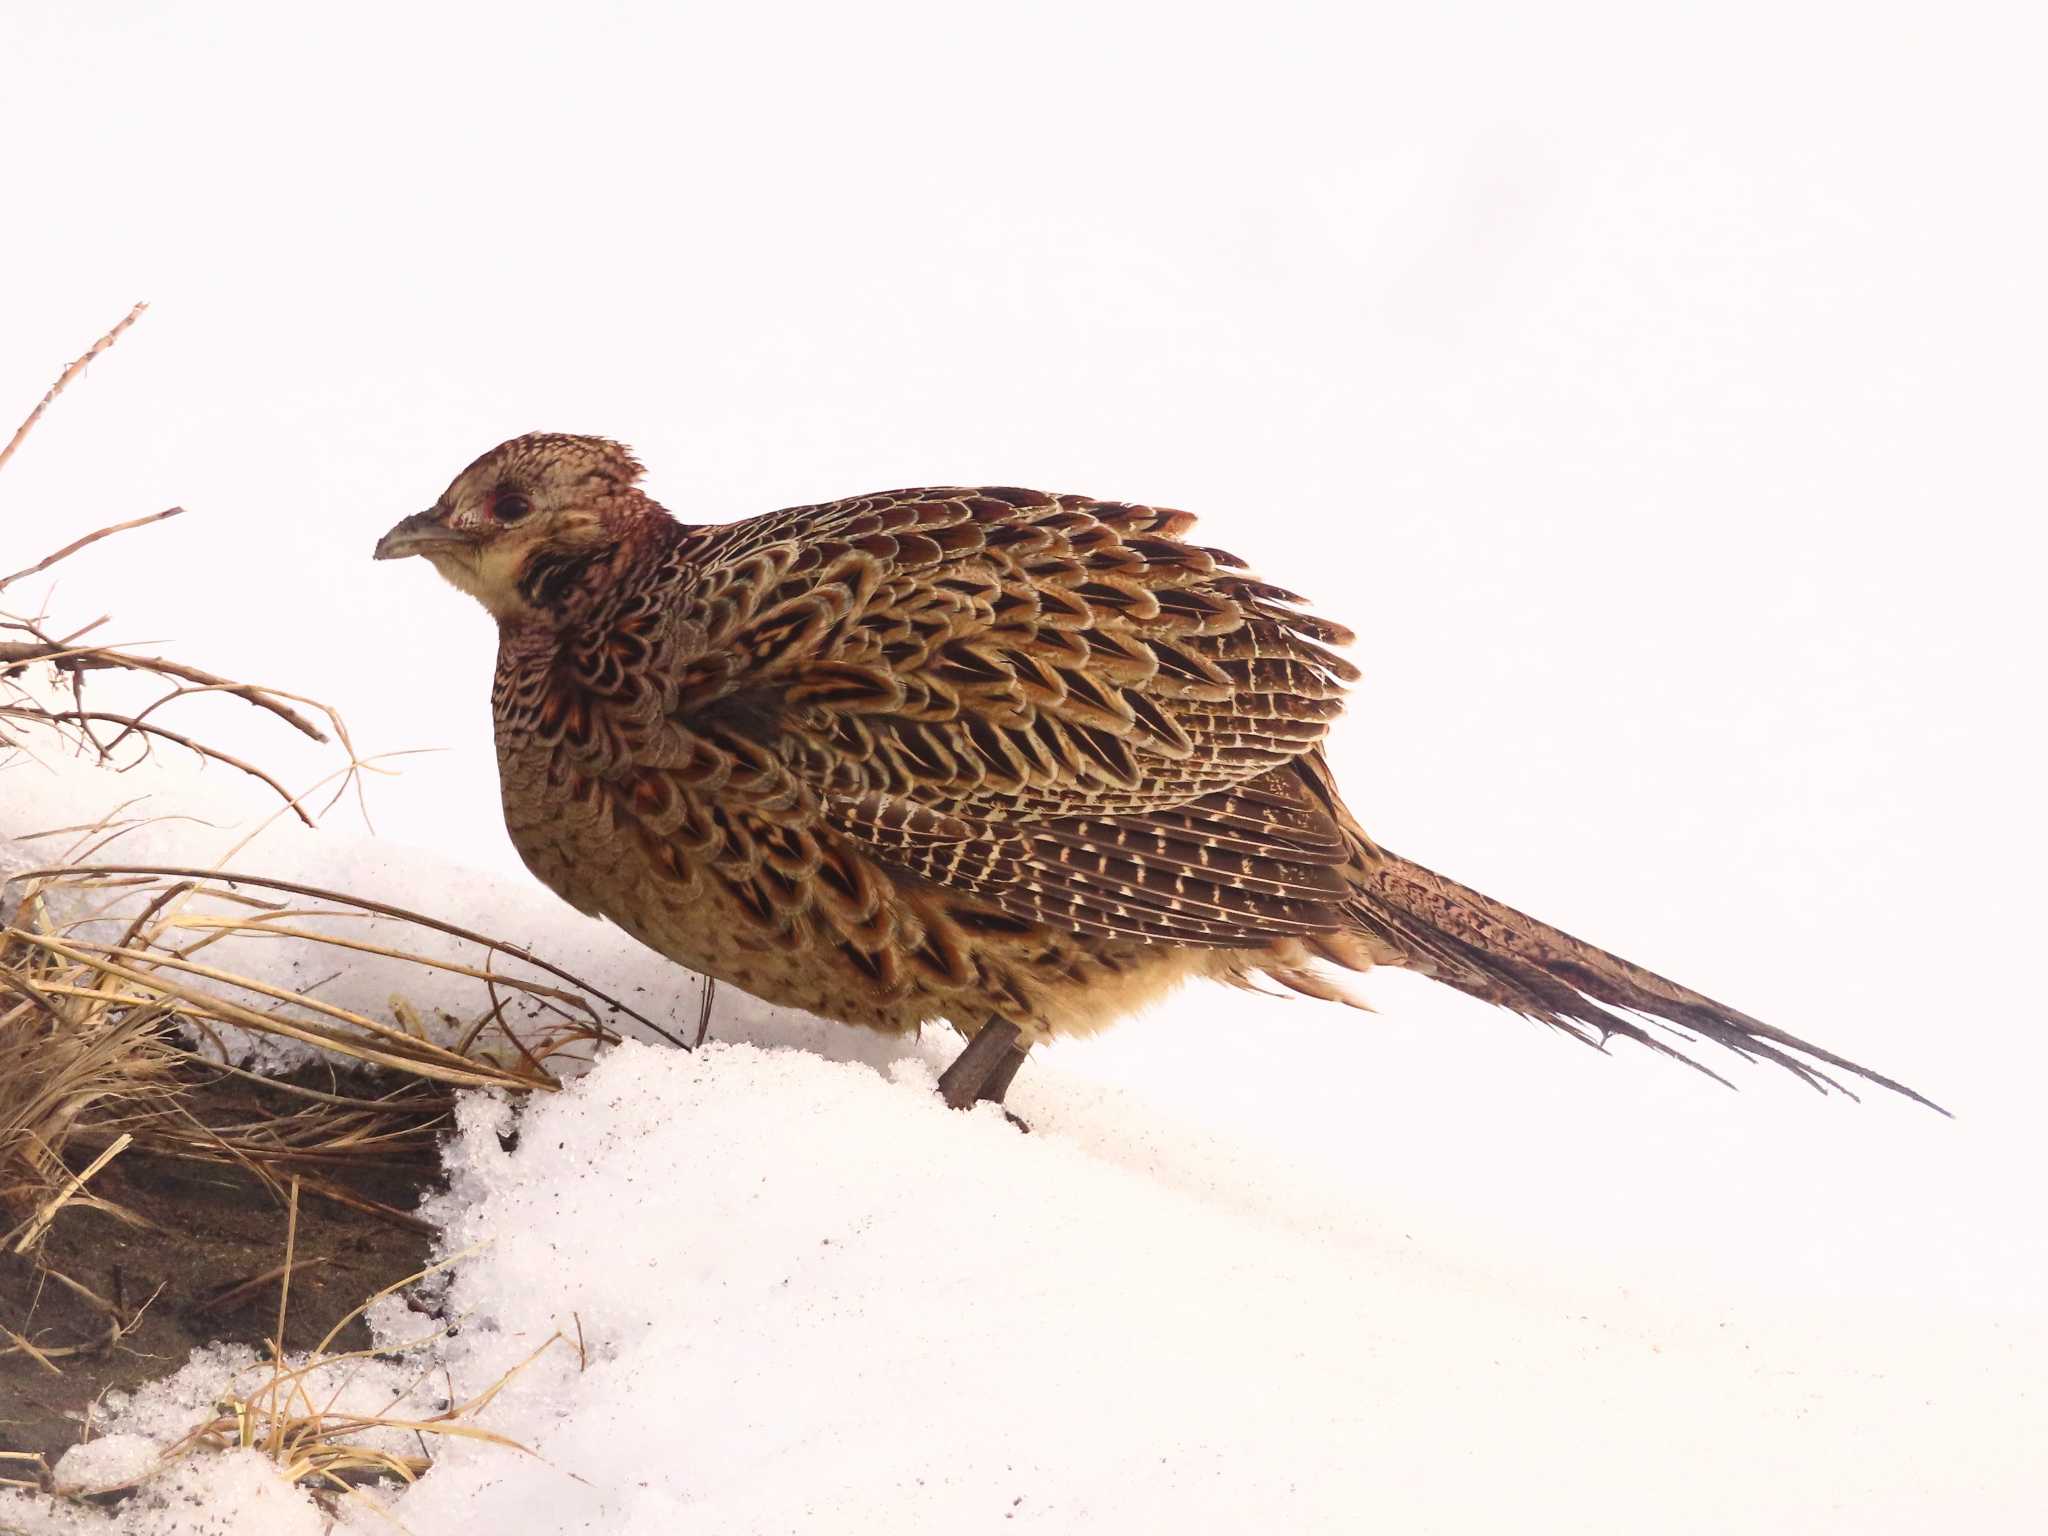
{"x":141,"y":727}
{"x":97,"y":658}
{"x":91,"y":538}
{"x":77,"y":367}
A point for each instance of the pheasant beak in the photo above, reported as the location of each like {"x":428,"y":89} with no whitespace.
{"x":424,"y":533}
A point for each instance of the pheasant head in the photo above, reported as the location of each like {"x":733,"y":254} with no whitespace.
{"x":518,"y":528}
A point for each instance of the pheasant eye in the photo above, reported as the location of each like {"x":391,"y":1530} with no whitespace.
{"x":510,"y":507}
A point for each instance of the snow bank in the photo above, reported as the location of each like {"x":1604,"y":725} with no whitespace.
{"x":813,"y":1299}
{"x":793,"y":1294}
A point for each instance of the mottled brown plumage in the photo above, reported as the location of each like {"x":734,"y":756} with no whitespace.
{"x":961,"y":754}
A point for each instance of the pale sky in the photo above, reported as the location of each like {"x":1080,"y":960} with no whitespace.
{"x":1657,"y":391}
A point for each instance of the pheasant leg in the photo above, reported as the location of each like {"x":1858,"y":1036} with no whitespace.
{"x":1000,"y":1076}
{"x":984,"y":1069}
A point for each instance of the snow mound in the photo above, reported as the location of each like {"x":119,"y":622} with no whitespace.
{"x":771,"y":1292}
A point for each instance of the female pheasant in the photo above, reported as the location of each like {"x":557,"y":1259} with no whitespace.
{"x":1016,"y":761}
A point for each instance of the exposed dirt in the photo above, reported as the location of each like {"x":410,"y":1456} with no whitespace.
{"x":215,"y":1231}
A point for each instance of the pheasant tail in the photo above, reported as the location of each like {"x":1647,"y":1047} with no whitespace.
{"x":1485,"y":948}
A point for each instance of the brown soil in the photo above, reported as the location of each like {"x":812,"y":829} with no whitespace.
{"x":215,"y":1229}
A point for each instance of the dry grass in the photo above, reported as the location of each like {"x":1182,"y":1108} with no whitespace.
{"x":106,"y":1019}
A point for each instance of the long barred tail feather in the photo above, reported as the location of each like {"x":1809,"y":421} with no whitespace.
{"x":1428,"y":923}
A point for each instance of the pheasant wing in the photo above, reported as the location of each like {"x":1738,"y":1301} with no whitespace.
{"x":1057,"y":705}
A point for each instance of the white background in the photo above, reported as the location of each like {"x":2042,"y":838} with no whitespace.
{"x":1657,"y":390}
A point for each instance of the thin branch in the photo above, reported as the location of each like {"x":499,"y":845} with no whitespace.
{"x":81,"y":717}
{"x":91,"y":538}
{"x":85,"y":659}
{"x":77,"y":367}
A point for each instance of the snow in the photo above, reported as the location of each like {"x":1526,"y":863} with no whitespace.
{"x":226,"y":1494}
{"x":118,"y":1460}
{"x":856,"y":1302}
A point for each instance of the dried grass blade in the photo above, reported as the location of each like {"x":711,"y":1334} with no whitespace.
{"x":383,"y":909}
{"x":47,"y":1213}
